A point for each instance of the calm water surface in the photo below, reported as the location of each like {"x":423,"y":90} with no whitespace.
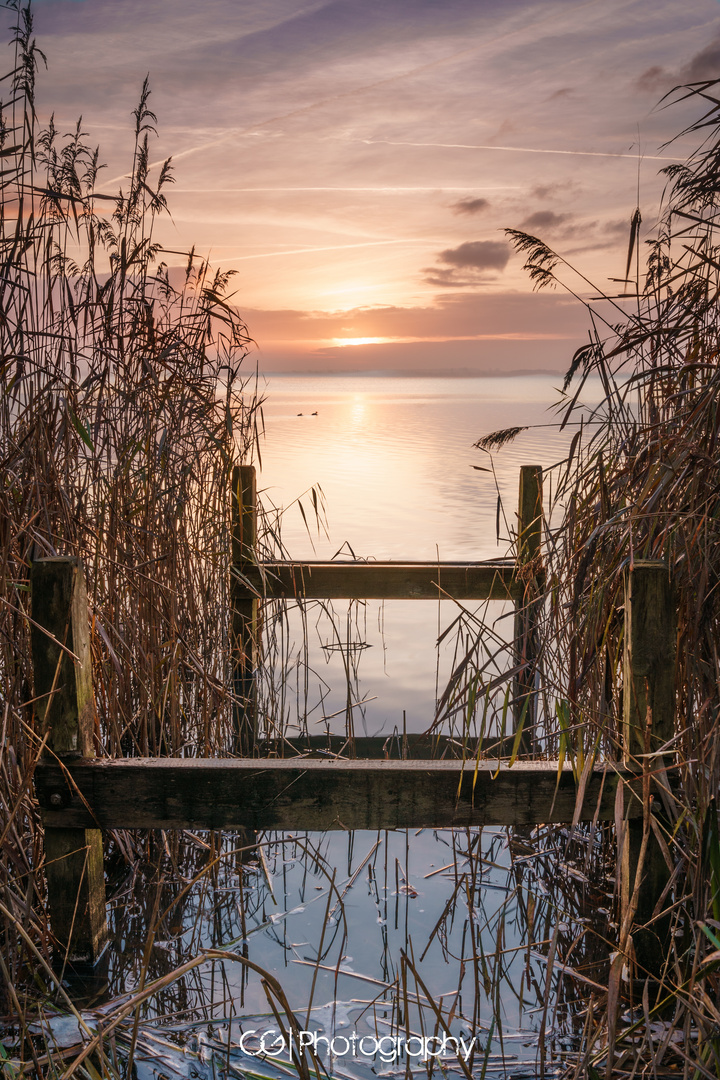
{"x":394,"y":460}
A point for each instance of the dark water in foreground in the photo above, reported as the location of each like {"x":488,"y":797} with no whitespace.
{"x":391,"y":938}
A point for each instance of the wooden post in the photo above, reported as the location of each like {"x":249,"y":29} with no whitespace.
{"x":245,"y":612}
{"x":66,"y":711}
{"x":648,"y":723}
{"x":529,"y":562}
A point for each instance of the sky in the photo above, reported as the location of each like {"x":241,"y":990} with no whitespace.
{"x":356,"y":161}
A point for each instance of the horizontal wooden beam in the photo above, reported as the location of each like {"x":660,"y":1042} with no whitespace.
{"x":378,"y":580}
{"x":284,"y":794}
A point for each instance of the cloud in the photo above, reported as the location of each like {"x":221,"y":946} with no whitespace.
{"x":546,"y":220}
{"x":483,"y":332}
{"x":478,"y":255}
{"x":497,"y":313}
{"x":704,"y":65}
{"x":589,"y":234}
{"x":619,"y":227}
{"x":446,"y":278}
{"x":653,"y":80}
{"x":467,"y":264}
{"x":469,"y":206}
{"x":565,"y":92}
{"x":560,"y":188}
{"x":354,"y":95}
{"x":544,"y":191}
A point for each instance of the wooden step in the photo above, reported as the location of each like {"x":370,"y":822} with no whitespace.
{"x":291,"y":795}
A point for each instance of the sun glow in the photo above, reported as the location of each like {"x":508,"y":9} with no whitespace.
{"x":361,"y":340}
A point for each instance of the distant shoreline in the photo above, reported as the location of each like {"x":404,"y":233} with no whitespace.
{"x":420,"y":373}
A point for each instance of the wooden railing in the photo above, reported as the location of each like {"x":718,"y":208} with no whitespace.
{"x":519,"y":580}
{"x":80,"y":795}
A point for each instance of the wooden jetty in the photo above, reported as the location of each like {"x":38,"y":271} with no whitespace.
{"x":388,"y":784}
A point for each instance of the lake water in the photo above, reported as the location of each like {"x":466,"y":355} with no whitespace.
{"x":394,"y":936}
{"x":393,"y":463}
{"x":390,"y":936}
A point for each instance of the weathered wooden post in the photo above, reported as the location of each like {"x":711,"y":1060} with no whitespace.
{"x":529,"y":564}
{"x":245,"y":610}
{"x":648,"y":723}
{"x":66,"y":711}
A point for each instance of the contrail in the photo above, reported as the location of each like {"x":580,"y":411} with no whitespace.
{"x":331,"y":247}
{"x":516,"y":149}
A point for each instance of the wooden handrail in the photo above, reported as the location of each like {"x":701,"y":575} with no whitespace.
{"x":382,"y":580}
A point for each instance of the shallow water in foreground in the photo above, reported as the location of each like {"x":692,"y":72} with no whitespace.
{"x":397,"y":935}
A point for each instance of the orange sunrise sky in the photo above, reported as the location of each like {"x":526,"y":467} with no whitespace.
{"x":356,"y":161}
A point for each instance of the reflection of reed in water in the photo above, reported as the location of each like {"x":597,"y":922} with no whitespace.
{"x":452,"y":934}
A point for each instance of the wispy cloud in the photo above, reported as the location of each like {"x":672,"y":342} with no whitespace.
{"x":547,"y":220}
{"x":328,"y":150}
{"x":704,"y":65}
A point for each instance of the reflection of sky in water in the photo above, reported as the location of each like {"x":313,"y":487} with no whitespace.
{"x":470,"y":908}
{"x":394,"y":458}
{"x":400,"y":669}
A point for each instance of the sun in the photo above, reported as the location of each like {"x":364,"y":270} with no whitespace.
{"x":360,"y":341}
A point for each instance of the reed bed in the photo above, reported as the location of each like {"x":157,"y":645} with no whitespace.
{"x":124,"y":402}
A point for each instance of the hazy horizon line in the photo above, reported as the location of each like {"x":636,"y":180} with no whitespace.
{"x":457,"y":372}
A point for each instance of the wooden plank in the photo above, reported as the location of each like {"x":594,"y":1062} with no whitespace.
{"x":283,"y":794}
{"x":245,"y":621}
{"x":530,"y":508}
{"x":379,"y":580}
{"x":244,"y":513}
{"x":649,"y":659}
{"x":65,"y":708}
{"x":648,"y":723}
